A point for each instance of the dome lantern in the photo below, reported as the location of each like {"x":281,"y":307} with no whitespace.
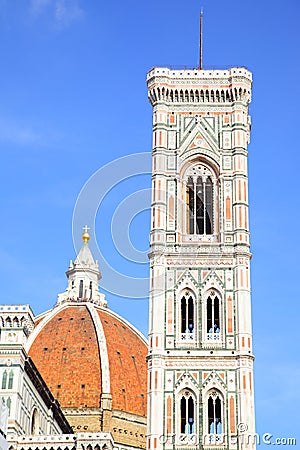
{"x":83,"y":277}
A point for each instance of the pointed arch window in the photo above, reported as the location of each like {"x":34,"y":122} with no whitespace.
{"x":4,"y":380}
{"x":80,"y":288}
{"x":214,"y":413}
{"x":187,"y":413}
{"x":187,"y":319}
{"x":200,"y":201}
{"x":10,"y":380}
{"x":35,"y":422}
{"x":213,"y":322}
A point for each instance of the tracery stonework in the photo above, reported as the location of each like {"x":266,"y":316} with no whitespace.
{"x":200,"y":358}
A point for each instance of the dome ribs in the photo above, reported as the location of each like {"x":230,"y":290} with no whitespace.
{"x":64,"y":363}
{"x":66,"y":352}
{"x":128,"y":372}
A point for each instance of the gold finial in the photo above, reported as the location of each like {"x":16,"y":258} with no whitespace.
{"x":85,"y":235}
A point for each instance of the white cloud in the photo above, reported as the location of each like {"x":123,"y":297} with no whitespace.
{"x":62,"y":12}
{"x":22,"y":133}
{"x":66,"y":12}
{"x":39,"y":6}
{"x":14,"y":133}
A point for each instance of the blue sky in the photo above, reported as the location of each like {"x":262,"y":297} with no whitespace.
{"x":73,"y":98}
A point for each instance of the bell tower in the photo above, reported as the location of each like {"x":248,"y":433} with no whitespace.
{"x":200,"y":358}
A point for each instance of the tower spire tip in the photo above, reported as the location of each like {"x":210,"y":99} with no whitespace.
{"x":200,"y":43}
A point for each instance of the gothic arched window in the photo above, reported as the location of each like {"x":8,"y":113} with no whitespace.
{"x":187,"y":317}
{"x":4,"y":380}
{"x":35,"y":422}
{"x":10,"y":380}
{"x":213,"y":325}
{"x":200,"y":200}
{"x":214,"y":413}
{"x":187,"y":413}
{"x":81,"y":289}
{"x":8,"y":404}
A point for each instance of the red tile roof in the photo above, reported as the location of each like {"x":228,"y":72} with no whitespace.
{"x":127,"y":362}
{"x":66,"y":353}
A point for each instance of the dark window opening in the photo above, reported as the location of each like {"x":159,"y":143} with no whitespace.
{"x":4,"y":380}
{"x":214,"y":415}
{"x":200,"y":205}
{"x":187,"y":415}
{"x":213,"y":317}
{"x":187,"y":314}
{"x":81,"y":289}
{"x":8,"y":404}
{"x":10,"y":380}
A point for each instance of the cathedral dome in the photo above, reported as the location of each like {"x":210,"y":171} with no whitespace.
{"x":92,"y":360}
{"x":83,"y":350}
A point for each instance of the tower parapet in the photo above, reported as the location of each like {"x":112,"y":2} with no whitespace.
{"x":199,"y":86}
